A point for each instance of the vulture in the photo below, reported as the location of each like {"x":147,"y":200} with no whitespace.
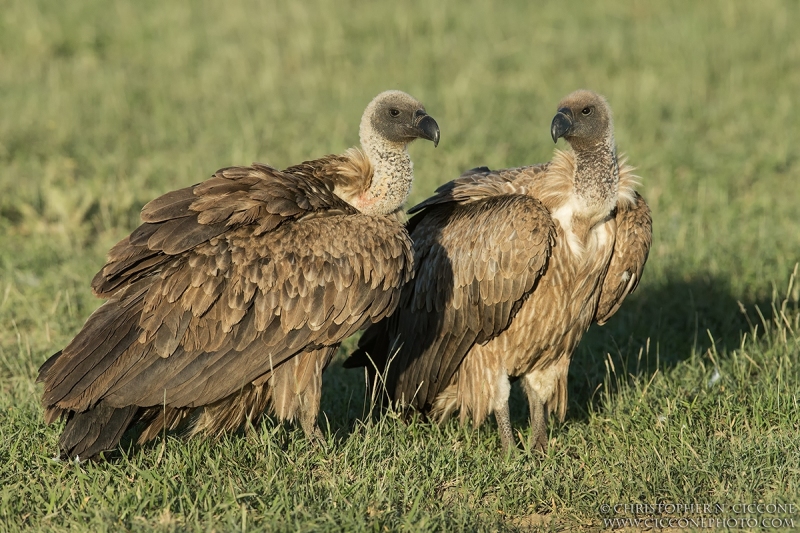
{"x":510,"y":269}
{"x":233,"y":294}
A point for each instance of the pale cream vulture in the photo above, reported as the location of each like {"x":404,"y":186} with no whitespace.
{"x":511,"y":268}
{"x":234,"y":294}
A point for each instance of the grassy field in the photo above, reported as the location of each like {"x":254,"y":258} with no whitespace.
{"x":689,"y":395}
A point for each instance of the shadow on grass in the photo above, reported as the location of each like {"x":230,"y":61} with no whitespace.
{"x":656,"y":329}
{"x":676,"y":318}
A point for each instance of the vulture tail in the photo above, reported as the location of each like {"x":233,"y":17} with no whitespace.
{"x":97,"y":430}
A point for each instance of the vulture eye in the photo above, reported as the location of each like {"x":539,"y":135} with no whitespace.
{"x":586,"y":111}
{"x":394,"y":112}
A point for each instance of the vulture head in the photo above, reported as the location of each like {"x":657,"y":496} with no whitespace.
{"x":583,"y":119}
{"x":397,"y":118}
{"x":391,"y":121}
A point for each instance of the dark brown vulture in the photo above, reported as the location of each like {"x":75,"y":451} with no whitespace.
{"x":511,"y":267}
{"x":234,"y":294}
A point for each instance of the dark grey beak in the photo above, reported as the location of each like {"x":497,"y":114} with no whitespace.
{"x":562,"y":123}
{"x":428,"y":129}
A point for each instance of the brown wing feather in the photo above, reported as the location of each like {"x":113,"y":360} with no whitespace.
{"x":227,"y":306}
{"x":237,"y":196}
{"x":634,"y":234}
{"x":475,"y":261}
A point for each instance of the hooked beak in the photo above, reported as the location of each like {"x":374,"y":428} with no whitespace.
{"x":562,"y":123}
{"x":427,"y":128}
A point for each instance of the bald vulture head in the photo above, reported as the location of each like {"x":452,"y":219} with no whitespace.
{"x":390,"y":122}
{"x":396,"y":118}
{"x":584,"y":121}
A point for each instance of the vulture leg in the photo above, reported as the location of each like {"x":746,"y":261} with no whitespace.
{"x":309,"y":411}
{"x":504,"y":426}
{"x":537,"y":415}
{"x":538,"y":422}
{"x":502,"y":416}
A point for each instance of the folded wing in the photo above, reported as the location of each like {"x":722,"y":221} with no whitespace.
{"x":479,"y":248}
{"x":632,"y":245}
{"x":223,"y":282}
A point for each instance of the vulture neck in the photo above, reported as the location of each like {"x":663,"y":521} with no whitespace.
{"x":392,"y":174}
{"x":596,"y":178}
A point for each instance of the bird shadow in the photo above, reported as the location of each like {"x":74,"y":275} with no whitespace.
{"x":656,"y":329}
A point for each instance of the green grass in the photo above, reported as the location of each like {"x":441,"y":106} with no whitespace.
{"x":105,"y":105}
